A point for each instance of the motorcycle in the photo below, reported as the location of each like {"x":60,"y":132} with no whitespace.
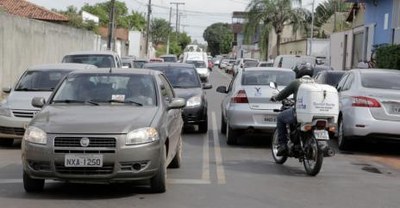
{"x":308,"y":142}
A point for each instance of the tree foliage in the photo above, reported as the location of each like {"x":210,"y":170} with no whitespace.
{"x":272,"y":14}
{"x":159,"y":30}
{"x":326,"y":9}
{"x":219,"y":37}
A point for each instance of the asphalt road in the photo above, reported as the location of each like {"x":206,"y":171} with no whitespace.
{"x":214,"y":174}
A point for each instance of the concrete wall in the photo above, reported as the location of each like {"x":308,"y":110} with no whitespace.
{"x":26,"y":42}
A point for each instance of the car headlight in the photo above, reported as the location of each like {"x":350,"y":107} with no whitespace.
{"x":142,"y":136}
{"x":193,"y":101}
{"x":5,"y":111}
{"x":35,"y":135}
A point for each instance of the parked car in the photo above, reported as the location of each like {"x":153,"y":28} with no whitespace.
{"x":290,"y":61}
{"x":228,"y":68}
{"x":138,"y":63}
{"x":369,"y":105}
{"x":201,"y":68}
{"x":329,"y":77}
{"x":247,"y":106}
{"x":105,"y":126}
{"x":16,"y":110}
{"x":244,"y":63}
{"x":101,"y":59}
{"x":187,"y":84}
{"x":169,"y":58}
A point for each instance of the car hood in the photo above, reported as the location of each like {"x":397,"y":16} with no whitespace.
{"x":188,"y":92}
{"x":93,"y":119}
{"x":23,"y":99}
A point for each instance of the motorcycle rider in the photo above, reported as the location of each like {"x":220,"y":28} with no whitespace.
{"x":304,"y":73}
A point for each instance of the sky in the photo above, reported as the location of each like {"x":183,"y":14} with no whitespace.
{"x":196,"y":15}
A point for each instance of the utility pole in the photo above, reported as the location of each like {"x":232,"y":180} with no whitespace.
{"x":110,"y":25}
{"x":169,"y":31}
{"x":312,"y":27}
{"x":148,"y":28}
{"x":177,"y":14}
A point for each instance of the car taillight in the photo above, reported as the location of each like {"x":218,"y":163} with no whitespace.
{"x":240,"y":97}
{"x":362,"y":101}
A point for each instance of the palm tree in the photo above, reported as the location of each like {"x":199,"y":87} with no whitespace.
{"x":273,"y":14}
{"x":326,"y":9}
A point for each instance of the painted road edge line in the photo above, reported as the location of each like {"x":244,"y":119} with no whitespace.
{"x":217,"y":151}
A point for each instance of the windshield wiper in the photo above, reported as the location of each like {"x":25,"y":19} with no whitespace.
{"x":29,"y":89}
{"x":124,"y":101}
{"x":75,"y":101}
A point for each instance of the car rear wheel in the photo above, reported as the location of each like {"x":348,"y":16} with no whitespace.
{"x":231,"y":135}
{"x":223,"y":125}
{"x":32,"y":185}
{"x":343,"y":141}
{"x":158,"y":183}
{"x":7,"y":142}
{"x":177,"y":161}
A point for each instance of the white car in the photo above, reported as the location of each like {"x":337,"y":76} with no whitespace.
{"x":201,"y":68}
{"x":16,"y":110}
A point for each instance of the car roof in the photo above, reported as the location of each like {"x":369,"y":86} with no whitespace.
{"x":62,"y":66}
{"x":375,"y":70}
{"x":91,"y":53}
{"x":168,"y":64}
{"x":266,"y":69}
{"x":117,"y":71}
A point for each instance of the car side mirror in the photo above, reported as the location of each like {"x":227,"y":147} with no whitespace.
{"x":207,"y":86}
{"x":177,"y":103}
{"x":222,"y":89}
{"x":273,"y":85}
{"x":38,"y":102}
{"x":6,"y":89}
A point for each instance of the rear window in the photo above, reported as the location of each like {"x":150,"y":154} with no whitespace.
{"x":250,"y":63}
{"x":180,"y":77}
{"x":282,"y":78}
{"x":381,"y":80}
{"x":101,"y":61}
{"x":169,"y":59}
{"x":40,"y":80}
{"x":333,"y":78}
{"x":197,"y":64}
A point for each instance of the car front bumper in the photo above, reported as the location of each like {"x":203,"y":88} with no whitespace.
{"x":13,"y":127}
{"x":119,"y":162}
{"x":194,"y":115}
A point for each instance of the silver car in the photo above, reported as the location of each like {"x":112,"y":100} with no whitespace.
{"x":369,"y":105}
{"x":16,"y":110}
{"x":247,"y":105}
{"x":105,"y":126}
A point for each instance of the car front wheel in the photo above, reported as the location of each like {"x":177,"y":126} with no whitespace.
{"x":158,"y":183}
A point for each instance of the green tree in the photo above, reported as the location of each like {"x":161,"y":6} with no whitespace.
{"x":325,"y":10}
{"x":159,"y":29}
{"x":272,"y":14}
{"x":75,"y":19}
{"x":134,"y":21}
{"x":219,"y":37}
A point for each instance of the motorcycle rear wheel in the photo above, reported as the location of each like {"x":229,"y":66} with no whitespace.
{"x":313,"y":156}
{"x":274,"y":149}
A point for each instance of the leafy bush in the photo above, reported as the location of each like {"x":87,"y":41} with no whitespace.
{"x":388,"y":57}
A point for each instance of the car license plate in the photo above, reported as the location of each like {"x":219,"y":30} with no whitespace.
{"x":83,"y":160}
{"x":321,"y":135}
{"x":270,"y":119}
{"x":395,"y":109}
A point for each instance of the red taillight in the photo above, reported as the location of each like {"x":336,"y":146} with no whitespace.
{"x":240,"y":97}
{"x":361,"y":101}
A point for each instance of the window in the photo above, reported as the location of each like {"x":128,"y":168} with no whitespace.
{"x":349,"y":82}
{"x":167,"y":91}
{"x":40,"y":80}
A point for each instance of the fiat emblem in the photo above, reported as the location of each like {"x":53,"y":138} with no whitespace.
{"x":85,"y":142}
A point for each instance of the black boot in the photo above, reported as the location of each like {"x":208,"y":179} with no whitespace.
{"x":282,"y":150}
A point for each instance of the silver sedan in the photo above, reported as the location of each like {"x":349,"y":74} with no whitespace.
{"x":105,"y":126}
{"x":369,"y":105}
{"x":247,"y":105}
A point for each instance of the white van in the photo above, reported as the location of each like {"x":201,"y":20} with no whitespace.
{"x":200,"y":61}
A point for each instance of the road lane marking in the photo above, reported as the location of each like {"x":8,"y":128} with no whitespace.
{"x":223,"y":73}
{"x":217,"y":149}
{"x":206,"y":158}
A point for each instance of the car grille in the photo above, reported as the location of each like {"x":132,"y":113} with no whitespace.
{"x":24,"y":113}
{"x":106,"y":169}
{"x":94,"y":142}
{"x":12,"y":131}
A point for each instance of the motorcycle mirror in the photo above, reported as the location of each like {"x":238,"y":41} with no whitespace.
{"x":273,"y":85}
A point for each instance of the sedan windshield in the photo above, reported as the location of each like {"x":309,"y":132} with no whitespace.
{"x":282,"y":78}
{"x":40,"y":80}
{"x":107,"y":89}
{"x":197,"y":64}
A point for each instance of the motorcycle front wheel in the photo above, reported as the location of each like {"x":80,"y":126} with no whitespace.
{"x":274,"y":149}
{"x":313,"y":156}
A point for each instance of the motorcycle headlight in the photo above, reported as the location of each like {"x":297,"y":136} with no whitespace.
{"x":141,"y":136}
{"x":5,"y":111}
{"x":193,"y":101}
{"x":35,"y":135}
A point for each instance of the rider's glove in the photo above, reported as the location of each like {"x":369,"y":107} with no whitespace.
{"x":273,"y":98}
